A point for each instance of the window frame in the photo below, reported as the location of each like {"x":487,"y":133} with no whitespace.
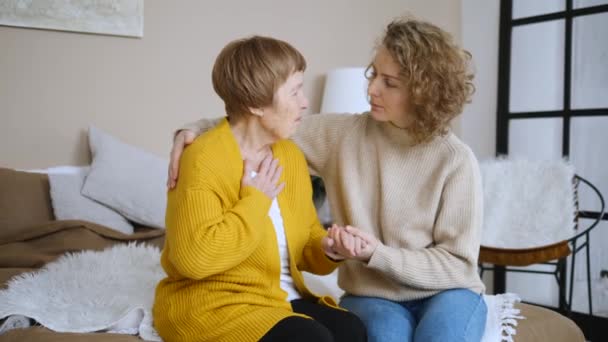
{"x":504,"y":115}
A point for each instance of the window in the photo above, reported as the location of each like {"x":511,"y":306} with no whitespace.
{"x":553,"y":97}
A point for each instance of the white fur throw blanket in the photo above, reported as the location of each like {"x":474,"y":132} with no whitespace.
{"x":113,"y":291}
{"x":109,"y":291}
{"x":527,"y":203}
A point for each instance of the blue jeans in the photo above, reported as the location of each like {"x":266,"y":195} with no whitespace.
{"x":450,"y":315}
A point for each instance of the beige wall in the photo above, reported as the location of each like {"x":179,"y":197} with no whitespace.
{"x":54,"y":84}
{"x":478,"y":124}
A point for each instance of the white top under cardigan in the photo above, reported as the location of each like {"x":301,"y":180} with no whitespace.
{"x":287,"y":283}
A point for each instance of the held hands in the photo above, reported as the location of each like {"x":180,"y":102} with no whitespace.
{"x":266,"y":178}
{"x":349,"y":243}
{"x":328,"y":243}
{"x":182,"y":139}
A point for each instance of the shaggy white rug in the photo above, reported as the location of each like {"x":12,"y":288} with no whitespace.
{"x":113,"y":291}
{"x":109,"y":291}
{"x":527,"y":203}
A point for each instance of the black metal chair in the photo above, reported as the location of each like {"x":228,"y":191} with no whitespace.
{"x":555,"y":254}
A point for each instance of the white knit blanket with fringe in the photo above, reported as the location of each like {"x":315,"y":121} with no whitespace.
{"x":113,"y":291}
{"x":527,"y":203}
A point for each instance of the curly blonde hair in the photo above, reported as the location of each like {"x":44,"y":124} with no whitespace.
{"x":436,"y":72}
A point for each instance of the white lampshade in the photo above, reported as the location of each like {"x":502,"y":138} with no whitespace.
{"x":345,"y":91}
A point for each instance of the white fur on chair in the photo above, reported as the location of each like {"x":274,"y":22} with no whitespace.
{"x":527,"y":203}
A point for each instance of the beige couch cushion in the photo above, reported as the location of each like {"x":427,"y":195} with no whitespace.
{"x":542,"y":324}
{"x":24,"y":201}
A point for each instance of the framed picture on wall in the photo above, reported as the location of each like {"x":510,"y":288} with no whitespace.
{"x":109,"y":17}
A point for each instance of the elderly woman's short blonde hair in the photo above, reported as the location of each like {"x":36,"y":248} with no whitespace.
{"x":436,"y":72}
{"x":248,"y":71}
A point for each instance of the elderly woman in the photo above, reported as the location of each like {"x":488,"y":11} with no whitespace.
{"x":404,"y":191}
{"x":241,"y":225}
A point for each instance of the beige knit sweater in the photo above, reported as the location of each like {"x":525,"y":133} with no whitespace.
{"x":423,"y":201}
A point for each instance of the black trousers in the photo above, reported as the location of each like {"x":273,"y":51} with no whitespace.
{"x":327,"y":325}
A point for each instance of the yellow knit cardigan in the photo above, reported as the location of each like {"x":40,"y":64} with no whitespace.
{"x":221,"y":253}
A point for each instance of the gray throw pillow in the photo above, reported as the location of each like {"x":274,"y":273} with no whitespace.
{"x":127,"y":179}
{"x":69,"y":204}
